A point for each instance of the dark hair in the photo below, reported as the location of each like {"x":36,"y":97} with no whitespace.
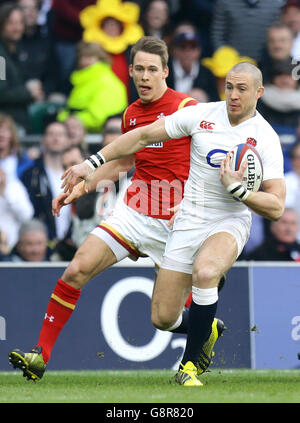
{"x":282,"y":68}
{"x":75,"y":147}
{"x":5,"y":11}
{"x":293,"y":149}
{"x":152,"y":45}
{"x":280,"y":25}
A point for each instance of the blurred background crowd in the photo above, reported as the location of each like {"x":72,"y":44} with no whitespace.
{"x":64,"y":84}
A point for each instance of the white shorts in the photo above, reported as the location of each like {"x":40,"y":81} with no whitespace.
{"x":132,"y":234}
{"x":183,"y":245}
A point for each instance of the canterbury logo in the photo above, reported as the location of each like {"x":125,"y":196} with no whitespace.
{"x":207,"y":125}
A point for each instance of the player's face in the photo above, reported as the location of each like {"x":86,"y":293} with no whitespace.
{"x":241,"y":95}
{"x":149,"y":76}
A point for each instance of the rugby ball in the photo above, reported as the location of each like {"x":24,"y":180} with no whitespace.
{"x":253,"y":175}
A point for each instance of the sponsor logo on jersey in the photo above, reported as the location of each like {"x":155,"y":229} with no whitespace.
{"x":161,"y":115}
{"x":208,"y":126}
{"x":155,"y":145}
{"x":132,"y":122}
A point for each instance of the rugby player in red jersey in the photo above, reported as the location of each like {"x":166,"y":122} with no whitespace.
{"x":139,"y":225}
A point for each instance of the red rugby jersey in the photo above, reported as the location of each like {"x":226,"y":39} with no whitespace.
{"x":161,"y":169}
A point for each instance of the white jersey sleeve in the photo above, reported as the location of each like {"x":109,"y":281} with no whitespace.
{"x":182,"y":122}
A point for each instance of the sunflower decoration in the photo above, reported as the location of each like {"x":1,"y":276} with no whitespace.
{"x":111,"y":23}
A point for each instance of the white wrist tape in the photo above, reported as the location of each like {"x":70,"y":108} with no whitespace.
{"x":237,"y":190}
{"x":96,"y":160}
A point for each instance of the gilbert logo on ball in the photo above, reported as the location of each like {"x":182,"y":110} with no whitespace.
{"x":253,"y":175}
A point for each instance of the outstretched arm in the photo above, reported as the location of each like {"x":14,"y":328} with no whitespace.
{"x":110,"y":172}
{"x":124,"y":145}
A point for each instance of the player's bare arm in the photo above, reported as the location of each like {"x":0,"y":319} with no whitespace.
{"x":123,"y":146}
{"x":268,"y":203}
{"x":109,"y":172}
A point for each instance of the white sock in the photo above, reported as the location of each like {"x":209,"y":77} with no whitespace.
{"x":205,"y":296}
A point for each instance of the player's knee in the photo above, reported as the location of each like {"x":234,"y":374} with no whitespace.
{"x":206,"y":276}
{"x":77,"y":273}
{"x":161,"y":320}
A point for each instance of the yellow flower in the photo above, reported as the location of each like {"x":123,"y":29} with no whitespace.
{"x":91,"y":19}
{"x":223,"y":59}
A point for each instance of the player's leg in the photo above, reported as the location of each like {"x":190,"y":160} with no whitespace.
{"x":216,"y":255}
{"x":174,"y":284}
{"x":93,"y":256}
{"x":169,"y":296}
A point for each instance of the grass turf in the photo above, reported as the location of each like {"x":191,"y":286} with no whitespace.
{"x":152,"y":386}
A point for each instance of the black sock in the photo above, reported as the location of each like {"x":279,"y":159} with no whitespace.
{"x":200,"y":321}
{"x":183,"y":327}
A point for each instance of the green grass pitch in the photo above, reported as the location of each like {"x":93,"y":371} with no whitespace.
{"x":152,"y":386}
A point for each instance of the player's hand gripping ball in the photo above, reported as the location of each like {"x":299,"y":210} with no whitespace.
{"x":253,"y":175}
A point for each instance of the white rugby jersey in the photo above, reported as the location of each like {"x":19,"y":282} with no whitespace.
{"x":212,"y":137}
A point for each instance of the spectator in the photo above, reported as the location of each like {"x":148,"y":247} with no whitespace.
{"x":290,"y":15}
{"x":13,"y":161}
{"x":67,"y":32}
{"x":114,"y":121}
{"x":200,"y":13}
{"x":115,"y":27}
{"x":278,"y":49}
{"x":234,"y":21}
{"x":4,"y":250}
{"x":43,"y":182}
{"x":32,"y":245}
{"x":16,"y":94}
{"x":36,"y":53}
{"x":15,"y":207}
{"x":281,"y":244}
{"x":97,"y":92}
{"x":185,"y":70}
{"x":44,"y":17}
{"x":76,"y":132}
{"x":292,"y":180}
{"x":155,"y":19}
{"x":221,"y":62}
{"x":280,"y":104}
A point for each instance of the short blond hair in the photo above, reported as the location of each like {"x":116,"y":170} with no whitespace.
{"x":85,"y":49}
{"x":14,"y":142}
{"x":251,"y":69}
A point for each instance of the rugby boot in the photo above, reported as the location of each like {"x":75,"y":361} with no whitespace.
{"x":31,"y":363}
{"x":207,"y":353}
{"x":187,"y":375}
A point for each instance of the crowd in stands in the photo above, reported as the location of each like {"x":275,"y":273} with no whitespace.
{"x":62,"y":85}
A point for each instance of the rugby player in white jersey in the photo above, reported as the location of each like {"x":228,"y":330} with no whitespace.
{"x":211,"y":227}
